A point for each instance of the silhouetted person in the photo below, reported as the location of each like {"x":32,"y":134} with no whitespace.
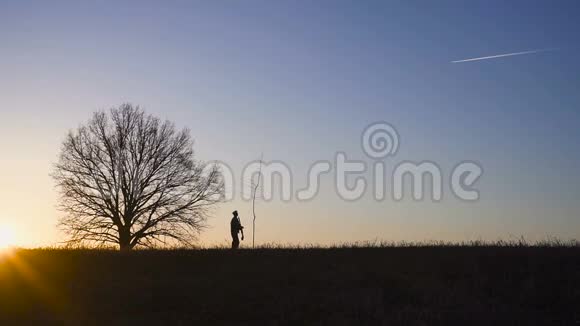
{"x":236,"y":227}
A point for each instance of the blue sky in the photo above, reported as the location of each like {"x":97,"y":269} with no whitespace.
{"x":299,"y":81}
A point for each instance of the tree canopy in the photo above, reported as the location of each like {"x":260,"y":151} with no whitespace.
{"x":130,"y":179}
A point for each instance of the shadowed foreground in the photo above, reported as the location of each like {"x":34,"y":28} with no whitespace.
{"x":373,"y":286}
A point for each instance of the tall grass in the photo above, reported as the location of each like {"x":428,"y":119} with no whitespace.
{"x":550,"y":242}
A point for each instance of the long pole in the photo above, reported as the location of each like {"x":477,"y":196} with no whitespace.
{"x":254,"y":203}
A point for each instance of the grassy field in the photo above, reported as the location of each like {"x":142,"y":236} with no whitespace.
{"x":417,"y":285}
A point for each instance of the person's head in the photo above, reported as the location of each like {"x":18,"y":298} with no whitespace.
{"x":235,"y":213}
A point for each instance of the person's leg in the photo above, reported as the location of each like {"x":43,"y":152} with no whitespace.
{"x":235,"y":241}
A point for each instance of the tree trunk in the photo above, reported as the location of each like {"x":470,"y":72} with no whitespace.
{"x":125,"y":238}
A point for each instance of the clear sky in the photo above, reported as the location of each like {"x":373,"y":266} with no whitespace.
{"x":300,"y":80}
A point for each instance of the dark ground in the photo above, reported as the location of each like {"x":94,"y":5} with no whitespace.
{"x":348,"y":286}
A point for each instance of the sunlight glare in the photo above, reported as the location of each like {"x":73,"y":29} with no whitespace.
{"x":7,"y":238}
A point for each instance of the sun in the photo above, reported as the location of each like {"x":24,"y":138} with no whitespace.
{"x":7,"y":237}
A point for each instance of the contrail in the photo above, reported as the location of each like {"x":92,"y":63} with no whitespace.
{"x":502,"y":55}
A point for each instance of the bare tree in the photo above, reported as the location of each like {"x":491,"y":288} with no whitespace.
{"x":129,"y":179}
{"x":255,"y":190}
